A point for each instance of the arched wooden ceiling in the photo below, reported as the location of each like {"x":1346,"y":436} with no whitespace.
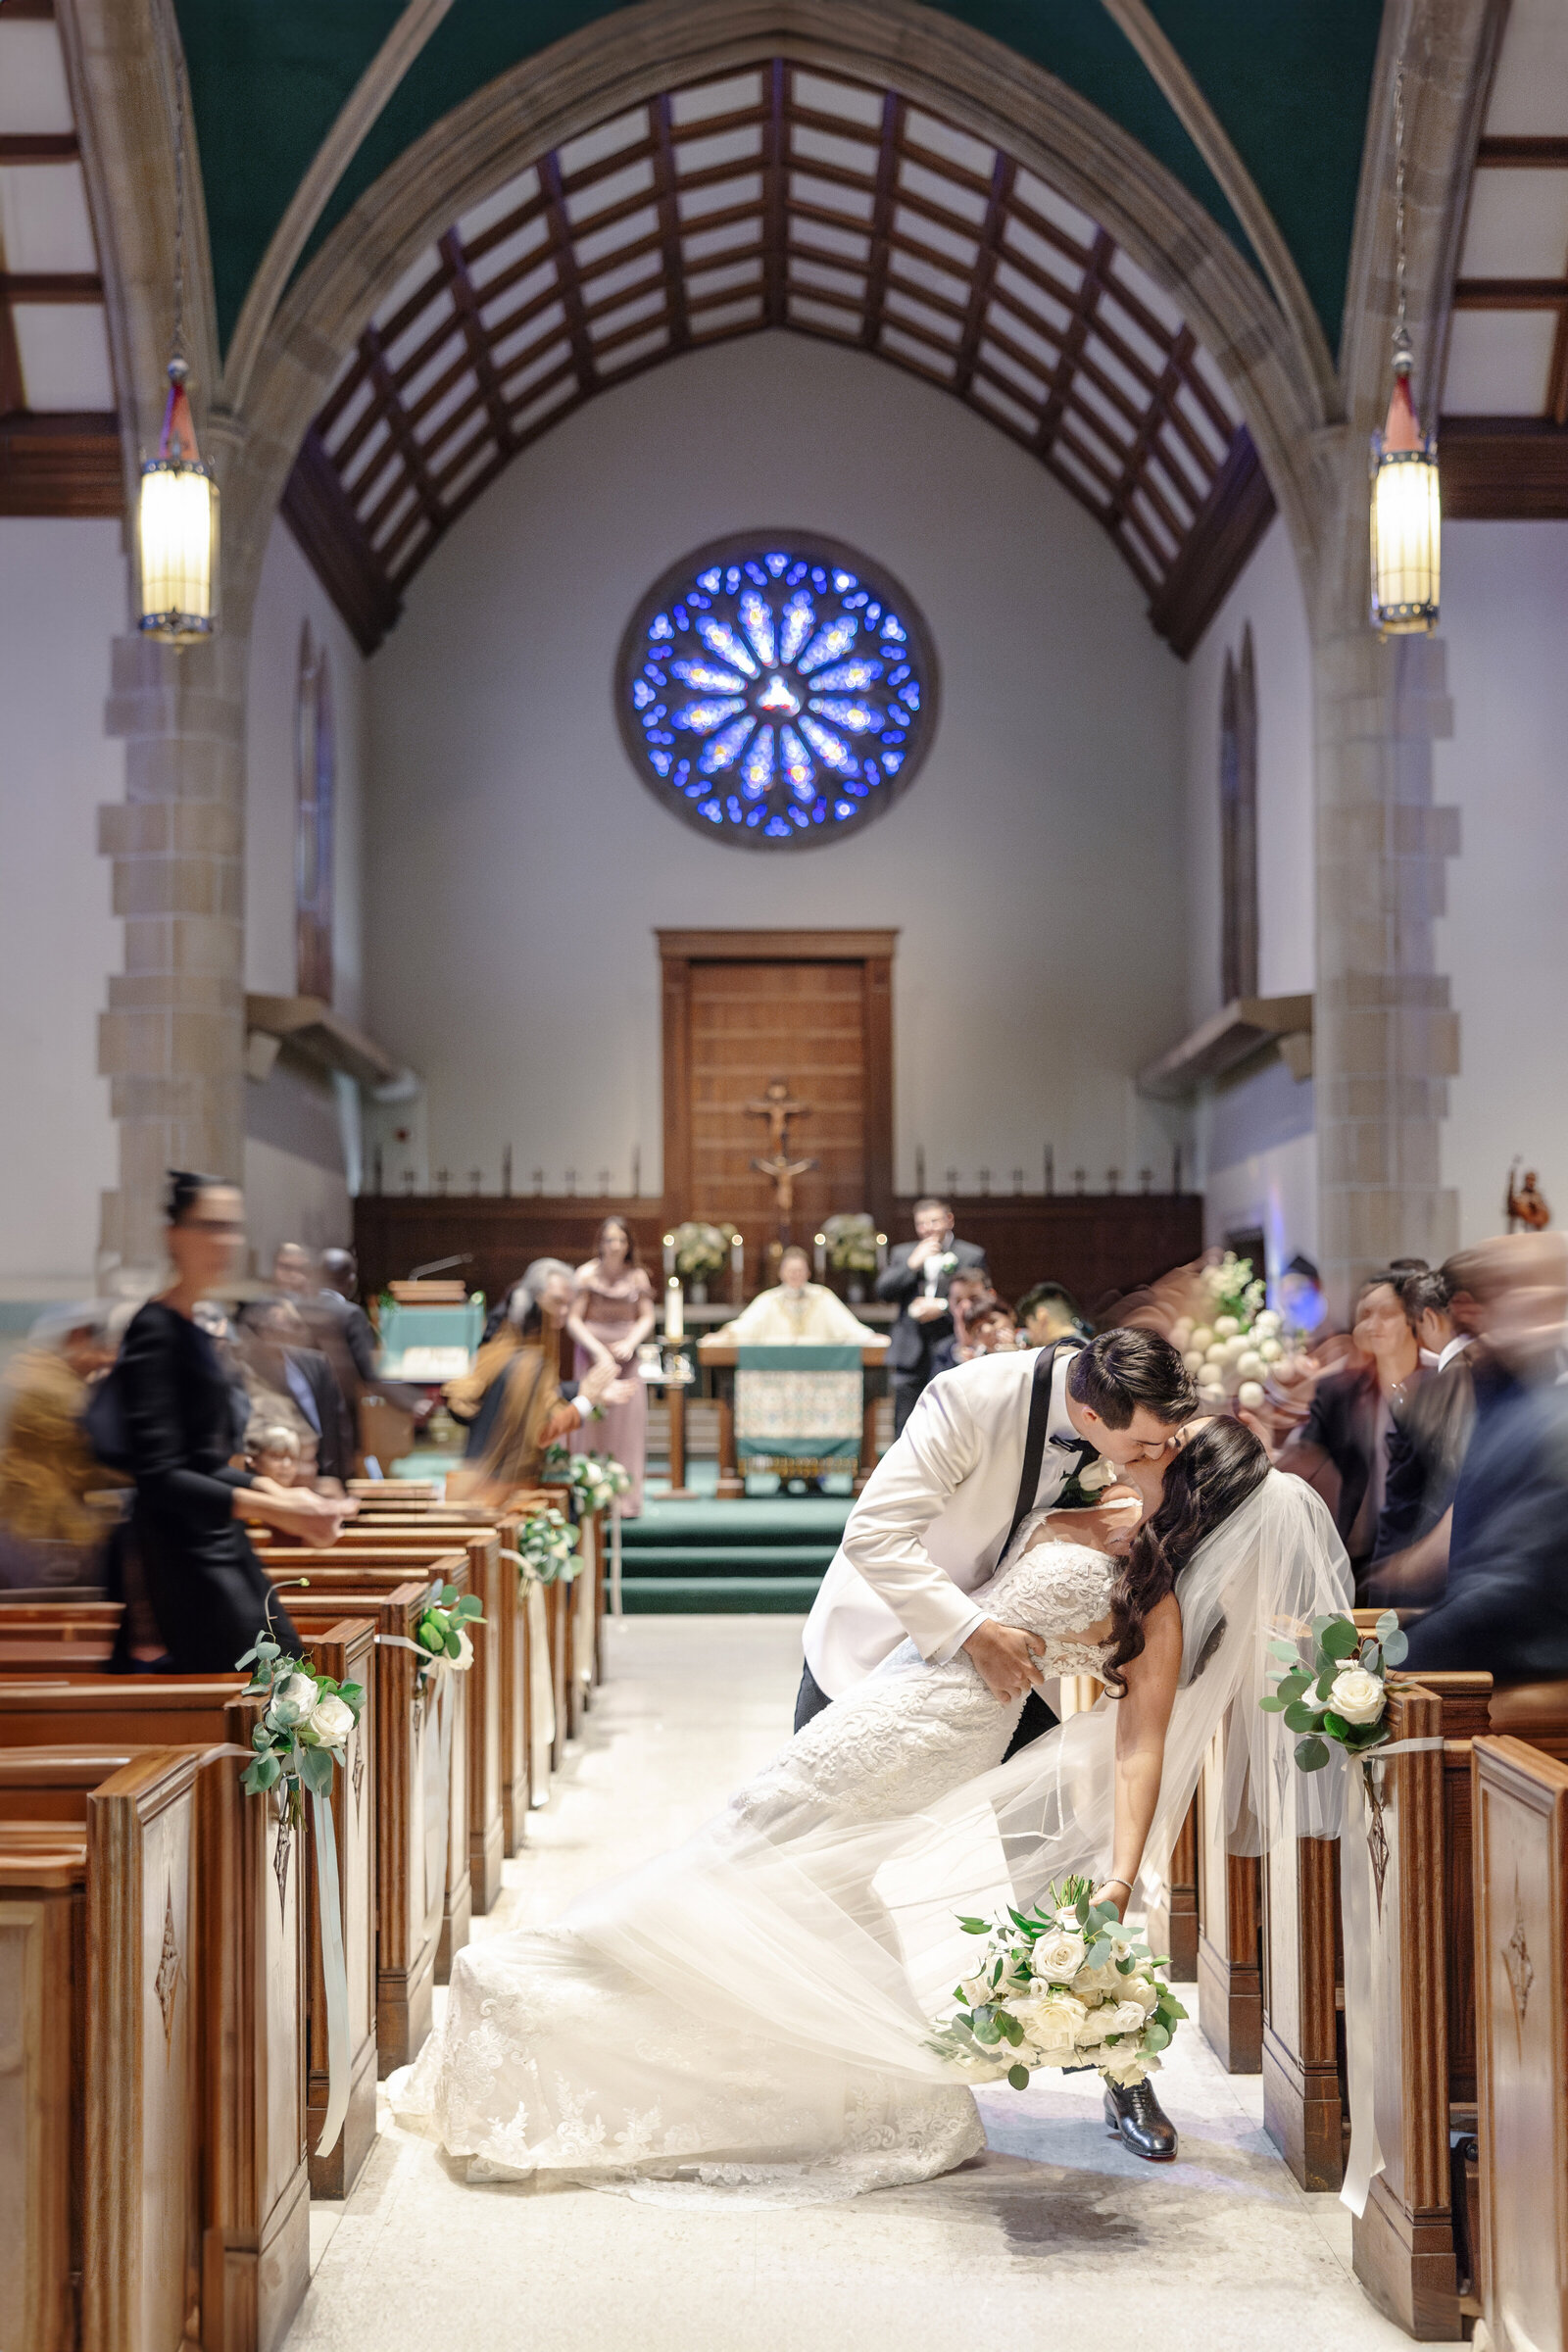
{"x":778,"y":197}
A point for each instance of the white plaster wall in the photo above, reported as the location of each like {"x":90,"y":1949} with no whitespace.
{"x":298,"y":1194}
{"x":1255,"y":1148}
{"x":1505,"y":941}
{"x":62,"y":600}
{"x":1036,"y":869}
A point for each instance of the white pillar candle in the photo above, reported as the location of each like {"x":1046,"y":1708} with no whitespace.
{"x":819,"y":1249}
{"x":670,"y":1255}
{"x":737,"y":1263}
{"x":674,"y":1310}
{"x":881,"y":1253}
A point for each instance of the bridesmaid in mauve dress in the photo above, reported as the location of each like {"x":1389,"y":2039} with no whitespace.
{"x":611,"y":1317}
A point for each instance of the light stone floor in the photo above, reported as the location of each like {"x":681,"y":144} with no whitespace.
{"x":1055,"y":2230}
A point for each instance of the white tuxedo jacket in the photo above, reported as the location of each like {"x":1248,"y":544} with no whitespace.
{"x":931,"y":1524}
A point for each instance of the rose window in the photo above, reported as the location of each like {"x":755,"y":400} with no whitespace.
{"x":778,"y":694}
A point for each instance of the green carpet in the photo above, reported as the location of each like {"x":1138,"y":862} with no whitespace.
{"x":764,"y":1556}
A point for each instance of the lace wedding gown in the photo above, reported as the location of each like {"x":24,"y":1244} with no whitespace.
{"x":743,"y":2013}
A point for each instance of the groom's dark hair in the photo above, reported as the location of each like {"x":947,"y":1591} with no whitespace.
{"x":1121,"y":1370}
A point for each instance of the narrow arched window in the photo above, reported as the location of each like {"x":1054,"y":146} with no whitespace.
{"x":1237,"y":823}
{"x":314,"y":760}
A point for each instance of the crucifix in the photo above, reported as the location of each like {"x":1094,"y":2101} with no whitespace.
{"x":779,"y":1107}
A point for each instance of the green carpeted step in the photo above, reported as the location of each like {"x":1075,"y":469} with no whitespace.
{"x":717,"y":1595}
{"x":736,"y":1525}
{"x":718,"y":1561}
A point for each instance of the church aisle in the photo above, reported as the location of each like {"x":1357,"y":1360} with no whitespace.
{"x":1056,"y":2229}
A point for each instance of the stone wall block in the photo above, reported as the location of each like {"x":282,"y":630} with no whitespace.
{"x":1428,"y":1041}
{"x":215,"y":946}
{"x":216,"y":827}
{"x":132,"y":1040}
{"x":167,"y":885}
{"x":206,"y":1045}
{"x":126,"y":830}
{"x":1358,"y":1153}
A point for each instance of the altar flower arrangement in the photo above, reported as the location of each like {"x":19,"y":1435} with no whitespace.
{"x":547,"y":1542}
{"x":304,"y":1728}
{"x":1234,"y":1341}
{"x":1341,"y":1698}
{"x":1066,"y":1984}
{"x":702,"y":1251}
{"x":850,"y":1239}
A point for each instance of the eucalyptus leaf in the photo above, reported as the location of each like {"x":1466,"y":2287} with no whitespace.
{"x":1341,"y":1638}
{"x":1273,"y":1706}
{"x":1279,"y":1649}
{"x":976,"y":1927}
{"x":1156,"y":2036}
{"x":1301,"y":1718}
{"x":1388,"y":1622}
{"x":1337,"y":1727}
{"x":1312,"y":1754}
{"x":1018,"y":2077}
{"x":1396,"y":1649}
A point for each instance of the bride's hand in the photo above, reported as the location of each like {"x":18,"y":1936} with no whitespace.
{"x":1113,"y":1890}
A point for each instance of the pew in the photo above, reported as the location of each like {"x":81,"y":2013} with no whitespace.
{"x":347,"y":1651}
{"x":1303,"y":2103}
{"x":1521,"y":1916}
{"x":1230,"y":1991}
{"x":193,"y":2034}
{"x":1173,"y":1918}
{"x":471,"y":1559}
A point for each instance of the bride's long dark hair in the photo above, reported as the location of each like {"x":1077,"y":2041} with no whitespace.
{"x":1210,"y":1477}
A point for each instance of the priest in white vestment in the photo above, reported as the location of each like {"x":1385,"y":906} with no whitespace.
{"x":798,"y":1310}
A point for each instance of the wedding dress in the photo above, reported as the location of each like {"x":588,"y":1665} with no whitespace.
{"x":753,"y":2013}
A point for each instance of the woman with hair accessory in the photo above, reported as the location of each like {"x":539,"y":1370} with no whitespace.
{"x":205,"y":1588}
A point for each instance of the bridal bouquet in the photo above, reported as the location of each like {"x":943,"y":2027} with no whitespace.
{"x":1342,"y":1697}
{"x":1065,"y":1985}
{"x":1234,"y":1343}
{"x":303,"y":1726}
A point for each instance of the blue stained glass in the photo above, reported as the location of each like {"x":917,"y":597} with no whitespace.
{"x":799,"y":620}
{"x":720,"y":639}
{"x":726,"y":748}
{"x":829,"y":643}
{"x":830,"y":748}
{"x":700,"y":718}
{"x":757,"y":768}
{"x":797,"y":685}
{"x":856,"y":716}
{"x":757,"y":619}
{"x":799,"y":767}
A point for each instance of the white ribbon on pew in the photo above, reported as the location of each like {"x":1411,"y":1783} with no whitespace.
{"x":542,"y":1681}
{"x":1358,"y":1905}
{"x":437,"y":1817}
{"x":334,"y":1972}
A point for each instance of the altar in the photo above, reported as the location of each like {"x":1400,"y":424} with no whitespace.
{"x":796,"y":1410}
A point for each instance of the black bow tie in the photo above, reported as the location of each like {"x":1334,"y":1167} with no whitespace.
{"x":1078,"y":1446}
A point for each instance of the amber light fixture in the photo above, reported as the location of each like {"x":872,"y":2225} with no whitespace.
{"x":178,"y":508}
{"x":1406,"y":505}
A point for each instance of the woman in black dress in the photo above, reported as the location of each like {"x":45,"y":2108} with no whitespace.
{"x":206,"y":1587}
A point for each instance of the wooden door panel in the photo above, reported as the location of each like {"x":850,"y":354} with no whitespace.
{"x":753,"y":1022}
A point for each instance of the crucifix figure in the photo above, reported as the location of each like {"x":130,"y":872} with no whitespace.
{"x":779,"y":1107}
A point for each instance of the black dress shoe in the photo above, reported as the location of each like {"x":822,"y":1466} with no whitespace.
{"x":1135,"y":2117}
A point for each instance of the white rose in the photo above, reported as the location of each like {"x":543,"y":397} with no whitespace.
{"x":1251,"y":1395}
{"x":1095,"y":1475}
{"x":1140,"y":1991}
{"x":1053,"y":2026}
{"x":292,"y":1700}
{"x":465,"y":1657}
{"x":1099,"y":1983}
{"x":1202,"y":1339}
{"x":1058,"y":1955}
{"x":1357,"y":1696}
{"x":1127,"y":2017}
{"x":1127,"y":2065}
{"x":332,"y":1720}
{"x":1092,"y":2030}
{"x":1225,"y":1327}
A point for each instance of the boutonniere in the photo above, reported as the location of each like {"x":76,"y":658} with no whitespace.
{"x":1087,"y":1484}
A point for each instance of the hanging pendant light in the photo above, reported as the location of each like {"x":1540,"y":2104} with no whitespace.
{"x":1407,"y":506}
{"x":178,"y":510}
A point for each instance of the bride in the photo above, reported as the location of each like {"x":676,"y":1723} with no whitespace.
{"x":755,"y":2010}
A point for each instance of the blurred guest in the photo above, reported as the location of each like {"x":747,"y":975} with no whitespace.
{"x":915,"y":1280}
{"x":211,"y":1316}
{"x":1301,"y":1299}
{"x":1506,"y":1607}
{"x":205,"y":1587}
{"x":1341,"y":1448}
{"x":967,"y":1291}
{"x":1434,"y":1419}
{"x":991,"y":1329}
{"x":511,"y":1399}
{"x":292,"y":1383}
{"x":273,"y":1451}
{"x":1048,"y":1313}
{"x":611,"y":1315}
{"x":50,"y":1532}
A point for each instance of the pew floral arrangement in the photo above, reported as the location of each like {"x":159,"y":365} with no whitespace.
{"x":547,"y":1545}
{"x":1341,"y":1698}
{"x":442,"y":1630}
{"x":1232,"y":1343}
{"x":1065,"y":1985}
{"x":304,"y":1728}
{"x":595,"y":1479}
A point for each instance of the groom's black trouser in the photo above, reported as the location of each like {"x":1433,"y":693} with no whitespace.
{"x":1036,"y":1718}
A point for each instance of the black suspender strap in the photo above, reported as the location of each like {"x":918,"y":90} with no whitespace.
{"x":1034,"y":1444}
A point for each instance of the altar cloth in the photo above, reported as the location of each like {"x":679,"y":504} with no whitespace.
{"x":798,"y":1408}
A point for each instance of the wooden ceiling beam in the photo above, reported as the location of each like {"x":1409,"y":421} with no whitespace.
{"x":882,"y":202}
{"x":998,"y":200}
{"x":1225,"y":531}
{"x":1503,"y":468}
{"x":1522,"y":154}
{"x":775,"y":189}
{"x":399,"y":426}
{"x":466,"y":304}
{"x":51,"y":286}
{"x":1510,"y":293}
{"x":39,"y":147}
{"x":1077,"y":334}
{"x":669,"y":208}
{"x":567,"y":279}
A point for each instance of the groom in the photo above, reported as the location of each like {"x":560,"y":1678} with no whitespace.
{"x":987,"y":1444}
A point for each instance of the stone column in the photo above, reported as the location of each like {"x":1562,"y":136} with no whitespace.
{"x":173,"y":1040}
{"x":1387,"y":1040}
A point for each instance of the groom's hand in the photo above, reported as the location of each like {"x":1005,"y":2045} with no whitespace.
{"x":1006,"y":1659}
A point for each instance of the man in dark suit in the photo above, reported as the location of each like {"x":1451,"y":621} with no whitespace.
{"x":276,"y":1345}
{"x":915,"y":1280}
{"x":1505,"y":1610}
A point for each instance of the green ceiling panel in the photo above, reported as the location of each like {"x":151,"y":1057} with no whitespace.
{"x":1289,"y":81}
